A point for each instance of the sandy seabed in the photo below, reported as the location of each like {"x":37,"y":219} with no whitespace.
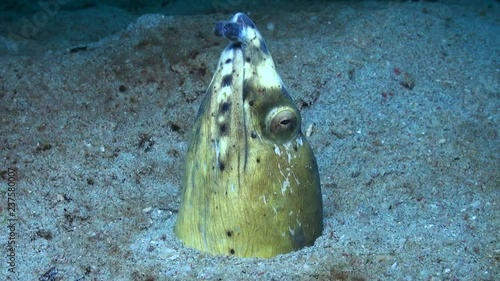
{"x":403,"y":99}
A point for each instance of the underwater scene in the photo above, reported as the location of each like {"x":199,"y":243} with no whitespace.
{"x":250,"y":140}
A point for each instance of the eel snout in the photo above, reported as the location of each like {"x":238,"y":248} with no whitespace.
{"x":233,"y":29}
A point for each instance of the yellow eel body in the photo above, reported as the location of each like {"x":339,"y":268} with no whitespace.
{"x":251,"y":183}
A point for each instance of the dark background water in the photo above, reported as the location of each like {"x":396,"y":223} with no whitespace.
{"x":169,"y":6}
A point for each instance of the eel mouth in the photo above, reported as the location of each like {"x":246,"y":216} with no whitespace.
{"x":234,"y":29}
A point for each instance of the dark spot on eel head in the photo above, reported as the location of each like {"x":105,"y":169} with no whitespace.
{"x":228,"y":61}
{"x":248,"y":59}
{"x":231,"y":251}
{"x":253,"y":135}
{"x":225,"y":107}
{"x":258,"y":160}
{"x":221,"y":167}
{"x":227,"y":80}
{"x":222,"y":129}
{"x":229,"y":233}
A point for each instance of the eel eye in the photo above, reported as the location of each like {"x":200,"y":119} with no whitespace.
{"x":282,"y":124}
